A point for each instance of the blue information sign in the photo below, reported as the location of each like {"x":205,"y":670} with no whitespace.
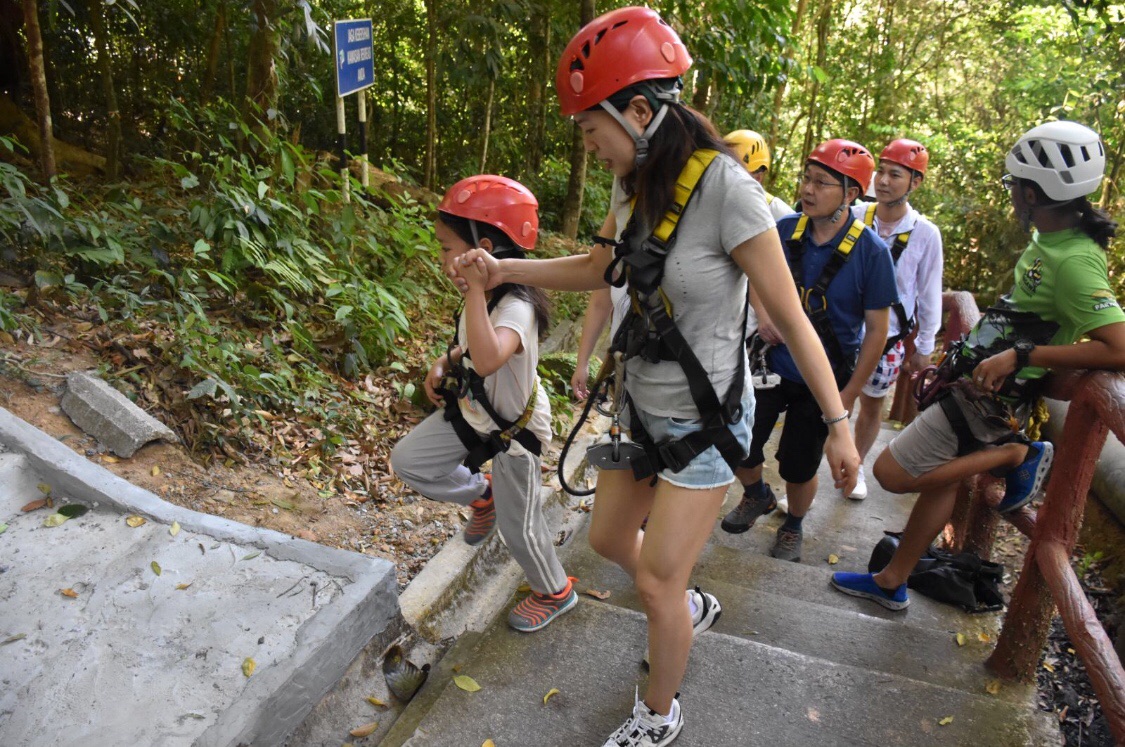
{"x":355,"y":67}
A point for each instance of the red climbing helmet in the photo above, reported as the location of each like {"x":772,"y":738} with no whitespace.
{"x":614,"y":51}
{"x":908,"y":153}
{"x":497,"y":201}
{"x":845,"y":157}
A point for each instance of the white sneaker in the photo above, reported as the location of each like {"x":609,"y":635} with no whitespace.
{"x":647,"y":728}
{"x":860,"y":491}
{"x":783,"y":504}
{"x":707,"y":612}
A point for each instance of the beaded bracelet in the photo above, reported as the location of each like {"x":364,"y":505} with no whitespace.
{"x":839,"y":418}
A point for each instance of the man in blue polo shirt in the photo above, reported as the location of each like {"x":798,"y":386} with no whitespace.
{"x":846,"y":279}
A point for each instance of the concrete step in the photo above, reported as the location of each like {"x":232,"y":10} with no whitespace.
{"x":754,"y":572}
{"x":736,"y":692}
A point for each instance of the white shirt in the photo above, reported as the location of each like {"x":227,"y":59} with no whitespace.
{"x":619,"y":297}
{"x":509,"y":389}
{"x":918,"y":272}
{"x":779,"y":208}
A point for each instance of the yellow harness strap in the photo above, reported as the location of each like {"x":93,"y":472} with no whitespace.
{"x":844,"y":249}
{"x":686,"y":182}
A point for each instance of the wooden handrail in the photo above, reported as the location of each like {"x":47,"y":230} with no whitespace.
{"x":1097,"y":406}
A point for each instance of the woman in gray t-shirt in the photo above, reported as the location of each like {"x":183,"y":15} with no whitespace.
{"x":619,"y":80}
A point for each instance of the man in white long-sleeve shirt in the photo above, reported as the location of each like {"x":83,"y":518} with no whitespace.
{"x":915,"y":245}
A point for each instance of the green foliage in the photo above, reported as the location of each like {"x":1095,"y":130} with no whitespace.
{"x":555,"y":371}
{"x":266,"y":285}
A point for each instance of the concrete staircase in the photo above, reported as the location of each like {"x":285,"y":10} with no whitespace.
{"x":791,"y":661}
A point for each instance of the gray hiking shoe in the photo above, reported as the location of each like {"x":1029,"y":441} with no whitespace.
{"x":743,"y":516}
{"x":787,"y":546}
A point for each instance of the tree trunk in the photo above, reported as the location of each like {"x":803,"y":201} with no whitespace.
{"x":39,"y":85}
{"x":779,"y":95}
{"x":701,"y":99}
{"x":576,"y":184}
{"x":214,"y":51}
{"x":429,"y":178}
{"x":487,"y":124}
{"x":539,"y":72}
{"x":812,"y":126}
{"x":109,"y":91}
{"x":261,"y":74}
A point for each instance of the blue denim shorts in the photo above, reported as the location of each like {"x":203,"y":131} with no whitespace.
{"x":708,"y":470}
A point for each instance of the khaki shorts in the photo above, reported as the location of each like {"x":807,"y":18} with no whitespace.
{"x":929,"y":441}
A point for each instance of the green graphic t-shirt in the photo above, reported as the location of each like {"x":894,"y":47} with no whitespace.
{"x":1061,"y":293}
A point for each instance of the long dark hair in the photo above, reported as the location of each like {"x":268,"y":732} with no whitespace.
{"x":1092,"y":221}
{"x":502,"y":246}
{"x":683,"y":131}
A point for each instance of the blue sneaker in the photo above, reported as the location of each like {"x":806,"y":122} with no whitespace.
{"x":863,"y":585}
{"x":1027,"y":480}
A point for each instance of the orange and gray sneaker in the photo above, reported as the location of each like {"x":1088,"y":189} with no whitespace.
{"x":537,"y":610}
{"x":484,"y":516}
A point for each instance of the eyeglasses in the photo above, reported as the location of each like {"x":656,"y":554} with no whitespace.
{"x":819,"y":183}
{"x":1008,"y":181}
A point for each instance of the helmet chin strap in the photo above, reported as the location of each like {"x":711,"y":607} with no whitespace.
{"x":642,"y":140}
{"x":476,"y":234}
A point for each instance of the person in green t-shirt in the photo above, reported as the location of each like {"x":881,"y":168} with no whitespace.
{"x":989,"y":380}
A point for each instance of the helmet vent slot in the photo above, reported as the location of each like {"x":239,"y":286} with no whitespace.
{"x":1068,"y":156}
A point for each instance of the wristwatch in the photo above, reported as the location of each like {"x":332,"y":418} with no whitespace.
{"x":1023,"y":350}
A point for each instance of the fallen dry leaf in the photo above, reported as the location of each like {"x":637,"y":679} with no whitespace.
{"x":364,"y":731}
{"x":960,"y":638}
{"x":155,"y":470}
{"x":108,"y":459}
{"x":134,"y":521}
{"x":993,"y":687}
{"x":13,"y":639}
{"x":833,"y":559}
{"x":155,"y":567}
{"x":466,"y":683}
{"x":523,"y":588}
{"x":946,"y":721}
{"x":55,"y":520}
{"x":1048,"y":667}
{"x":36,"y":505}
{"x":375,"y":701}
{"x":598,"y":594}
{"x":551,"y":692}
{"x":252,"y":555}
{"x":69,"y":593}
{"x":488,"y":743}
{"x":44,"y":488}
{"x":248,"y":666}
{"x":984,"y":637}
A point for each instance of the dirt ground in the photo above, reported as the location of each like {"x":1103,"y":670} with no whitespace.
{"x":401,"y":526}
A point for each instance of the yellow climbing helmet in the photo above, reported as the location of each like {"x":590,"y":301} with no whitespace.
{"x":751,"y":149}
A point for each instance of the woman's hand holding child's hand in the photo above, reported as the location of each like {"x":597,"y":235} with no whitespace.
{"x":473,"y":272}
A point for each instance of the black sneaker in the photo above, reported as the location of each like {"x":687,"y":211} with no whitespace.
{"x":743,"y":516}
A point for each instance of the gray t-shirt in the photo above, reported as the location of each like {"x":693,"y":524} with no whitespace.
{"x":706,"y":288}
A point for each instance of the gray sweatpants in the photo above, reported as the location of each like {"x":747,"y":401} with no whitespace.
{"x":429,"y":458}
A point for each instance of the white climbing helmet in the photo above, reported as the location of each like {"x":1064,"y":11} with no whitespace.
{"x":1066,"y":159}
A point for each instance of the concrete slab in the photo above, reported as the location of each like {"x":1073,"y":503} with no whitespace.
{"x":758,"y":572}
{"x":141,"y":657}
{"x":736,"y":692}
{"x":835,"y":525}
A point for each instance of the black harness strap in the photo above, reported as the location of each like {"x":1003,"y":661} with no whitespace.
{"x":648,"y":331}
{"x":906,"y":322}
{"x":482,"y":448}
{"x":818,"y":313}
{"x":967,"y":443}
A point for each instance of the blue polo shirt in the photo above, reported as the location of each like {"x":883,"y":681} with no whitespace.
{"x":865,"y":282}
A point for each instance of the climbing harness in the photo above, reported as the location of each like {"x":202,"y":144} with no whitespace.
{"x":462,"y":381}
{"x":906,"y":323}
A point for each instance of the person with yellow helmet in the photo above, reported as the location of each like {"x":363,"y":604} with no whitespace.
{"x":754,"y":154}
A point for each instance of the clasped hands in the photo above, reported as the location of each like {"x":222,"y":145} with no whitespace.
{"x":475,"y":270}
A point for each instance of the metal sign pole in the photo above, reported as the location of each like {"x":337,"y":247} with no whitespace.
{"x":365,"y":176}
{"x":342,"y":146}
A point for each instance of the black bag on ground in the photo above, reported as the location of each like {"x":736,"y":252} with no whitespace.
{"x":962,"y":578}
